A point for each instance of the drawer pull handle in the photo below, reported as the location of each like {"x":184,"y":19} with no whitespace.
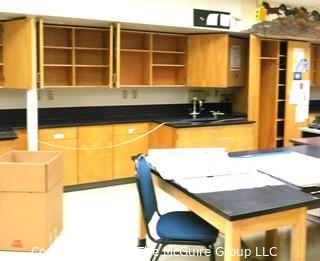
{"x":131,"y":130}
{"x":58,"y":136}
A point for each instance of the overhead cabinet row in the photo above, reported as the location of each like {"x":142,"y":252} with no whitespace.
{"x":73,"y":56}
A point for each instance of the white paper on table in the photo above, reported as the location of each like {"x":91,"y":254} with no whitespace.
{"x":228,"y":182}
{"x":292,"y":167}
{"x":194,"y":162}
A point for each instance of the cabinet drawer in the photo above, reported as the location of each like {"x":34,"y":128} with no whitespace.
{"x":134,"y":128}
{"x":58,"y":134}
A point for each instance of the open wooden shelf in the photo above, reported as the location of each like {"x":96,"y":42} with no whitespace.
{"x":58,"y":47}
{"x":77,"y":55}
{"x":168,"y":75}
{"x":168,"y":65}
{"x":269,"y":58}
{"x":273,"y":93}
{"x":135,"y":50}
{"x":269,"y":48}
{"x":152,"y":59}
{"x":92,"y":76}
{"x":134,"y":68}
{"x":58,"y":76}
{"x":315,"y":65}
{"x":58,"y":65}
{"x":135,"y":40}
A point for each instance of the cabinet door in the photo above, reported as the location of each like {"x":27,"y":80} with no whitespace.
{"x":238,"y":62}
{"x":236,"y":137}
{"x":207,"y":62}
{"x":95,"y":162}
{"x":164,"y":137}
{"x":123,"y":166}
{"x":291,"y":126}
{"x":21,"y":142}
{"x":124,"y":148}
{"x":19,"y":52}
{"x":65,"y":141}
{"x":220,"y":136}
{"x":6,"y":145}
{"x":69,"y":156}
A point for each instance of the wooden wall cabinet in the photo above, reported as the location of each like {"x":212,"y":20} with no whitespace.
{"x":17,"y":54}
{"x":217,"y":60}
{"x":270,"y":85}
{"x":150,"y":59}
{"x":64,"y":140}
{"x":75,"y":56}
{"x":315,"y":66}
{"x":123,"y":166}
{"x":95,"y":153}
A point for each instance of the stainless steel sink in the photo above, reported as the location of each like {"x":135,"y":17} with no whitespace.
{"x":199,"y":120}
{"x":231,"y":120}
{"x":210,"y":120}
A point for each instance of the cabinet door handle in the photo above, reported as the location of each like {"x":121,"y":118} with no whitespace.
{"x":58,"y":136}
{"x":131,"y":130}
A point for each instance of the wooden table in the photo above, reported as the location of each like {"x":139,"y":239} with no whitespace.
{"x":247,"y":211}
{"x":314,"y":141}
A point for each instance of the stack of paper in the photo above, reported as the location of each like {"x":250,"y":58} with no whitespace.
{"x":175,"y":164}
{"x":228,"y":182}
{"x":292,"y":167}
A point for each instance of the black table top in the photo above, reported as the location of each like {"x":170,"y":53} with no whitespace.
{"x":245,"y":203}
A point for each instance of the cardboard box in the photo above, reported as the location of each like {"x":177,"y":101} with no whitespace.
{"x":30,"y":200}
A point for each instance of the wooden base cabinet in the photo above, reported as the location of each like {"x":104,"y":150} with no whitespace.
{"x":123,"y":166}
{"x":232,"y":137}
{"x":6,"y":145}
{"x":65,"y":141}
{"x":95,"y":153}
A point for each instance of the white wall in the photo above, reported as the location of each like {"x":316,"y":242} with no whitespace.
{"x":158,"y":12}
{"x":11,"y":99}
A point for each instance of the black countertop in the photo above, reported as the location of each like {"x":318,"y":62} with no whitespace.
{"x":174,"y":115}
{"x":7,"y":133}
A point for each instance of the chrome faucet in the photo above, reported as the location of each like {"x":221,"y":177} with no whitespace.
{"x":194,"y":112}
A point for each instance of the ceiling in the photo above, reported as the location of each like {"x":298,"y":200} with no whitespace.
{"x":308,"y":4}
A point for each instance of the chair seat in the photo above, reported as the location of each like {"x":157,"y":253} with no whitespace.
{"x":185,"y":225}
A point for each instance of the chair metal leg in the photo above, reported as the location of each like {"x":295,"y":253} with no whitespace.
{"x":159,"y":251}
{"x":154,"y":251}
{"x":212,"y":256}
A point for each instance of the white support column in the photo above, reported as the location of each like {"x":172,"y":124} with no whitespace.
{"x":32,"y":101}
{"x":32,"y":119}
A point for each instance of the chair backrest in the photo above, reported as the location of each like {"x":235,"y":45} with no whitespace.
{"x":145,"y":187}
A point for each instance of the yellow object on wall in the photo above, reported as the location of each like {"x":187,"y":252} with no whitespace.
{"x":261,"y":13}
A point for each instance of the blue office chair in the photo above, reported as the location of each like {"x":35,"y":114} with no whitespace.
{"x":173,"y":228}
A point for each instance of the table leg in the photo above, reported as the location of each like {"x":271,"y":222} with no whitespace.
{"x":299,"y":236}
{"x":142,"y":230}
{"x":270,"y":243}
{"x":232,"y":243}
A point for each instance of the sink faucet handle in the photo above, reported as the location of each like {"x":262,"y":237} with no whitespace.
{"x":215,"y":114}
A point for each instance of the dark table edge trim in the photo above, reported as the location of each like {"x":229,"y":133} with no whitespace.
{"x":100,"y":184}
{"x":241,"y":216}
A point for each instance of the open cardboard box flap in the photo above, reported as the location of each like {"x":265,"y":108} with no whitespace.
{"x":26,"y":171}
